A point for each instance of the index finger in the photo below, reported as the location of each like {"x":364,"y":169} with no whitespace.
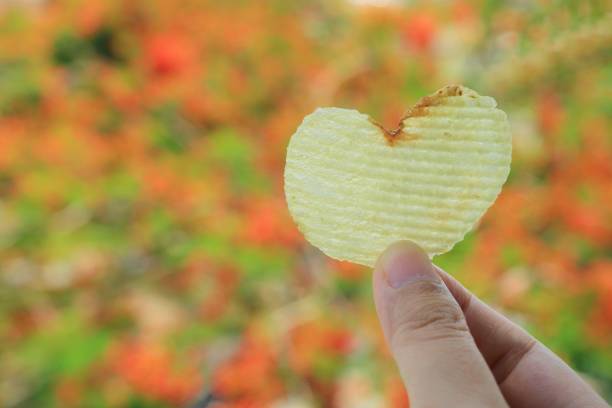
{"x":528,"y":373}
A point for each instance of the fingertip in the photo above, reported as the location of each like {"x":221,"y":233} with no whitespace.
{"x":404,"y":262}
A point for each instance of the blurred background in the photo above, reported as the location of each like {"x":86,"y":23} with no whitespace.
{"x":147,"y":258}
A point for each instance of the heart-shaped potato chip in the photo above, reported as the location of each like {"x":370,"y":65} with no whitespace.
{"x":354,"y":188}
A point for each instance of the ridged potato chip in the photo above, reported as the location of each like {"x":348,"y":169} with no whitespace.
{"x":354,"y":187}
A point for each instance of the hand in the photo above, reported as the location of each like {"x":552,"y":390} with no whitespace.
{"x":452,"y":350}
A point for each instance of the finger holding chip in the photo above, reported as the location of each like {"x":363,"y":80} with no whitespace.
{"x":354,"y":187}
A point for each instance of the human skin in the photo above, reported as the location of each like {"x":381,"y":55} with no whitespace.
{"x":452,"y":350}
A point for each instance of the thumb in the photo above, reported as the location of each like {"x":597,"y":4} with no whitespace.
{"x":428,"y":335}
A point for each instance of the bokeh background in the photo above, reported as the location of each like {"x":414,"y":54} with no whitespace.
{"x":147,"y":258}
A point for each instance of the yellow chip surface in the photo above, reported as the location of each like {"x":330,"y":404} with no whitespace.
{"x":354,"y":188}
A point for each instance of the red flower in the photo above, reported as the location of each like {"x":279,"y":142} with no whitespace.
{"x":268,"y":222}
{"x":169,"y":54}
{"x":419,"y":31}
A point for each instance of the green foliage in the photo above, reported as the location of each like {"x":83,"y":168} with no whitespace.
{"x":147,"y":256}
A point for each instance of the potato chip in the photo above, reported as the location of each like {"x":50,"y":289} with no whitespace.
{"x":354,"y":187}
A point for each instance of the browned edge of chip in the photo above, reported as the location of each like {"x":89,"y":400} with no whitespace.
{"x":419,"y":109}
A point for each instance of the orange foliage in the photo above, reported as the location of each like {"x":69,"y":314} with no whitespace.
{"x":251,"y":376}
{"x":317,"y":340}
{"x":142,"y":146}
{"x":150,"y":370}
{"x":550,"y":113}
{"x":600,"y":277}
{"x":396,"y":396}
